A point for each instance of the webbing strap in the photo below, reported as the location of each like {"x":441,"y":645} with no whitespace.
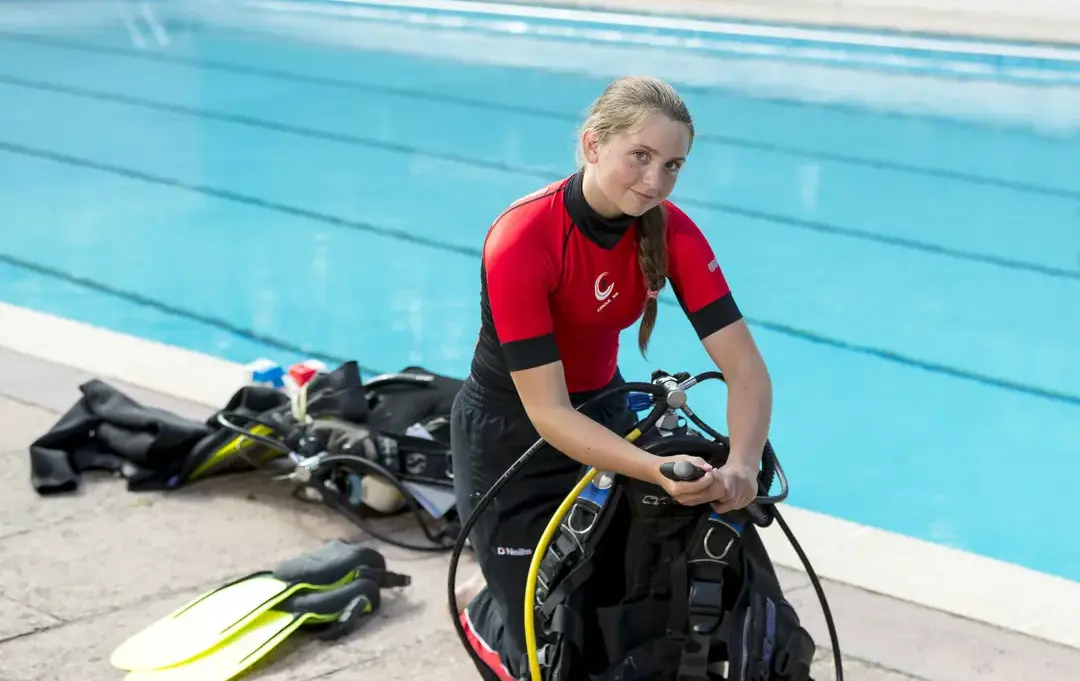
{"x":680,"y":608}
{"x":576,"y":532}
{"x":712,"y":554}
{"x":566,"y":586}
{"x":706,"y":611}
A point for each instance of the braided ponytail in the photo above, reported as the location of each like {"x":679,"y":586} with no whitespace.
{"x":652,"y":257}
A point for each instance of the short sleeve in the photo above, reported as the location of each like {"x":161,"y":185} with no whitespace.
{"x":519,"y":276}
{"x":696,"y":276}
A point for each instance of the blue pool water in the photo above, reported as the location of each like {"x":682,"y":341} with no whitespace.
{"x":911,"y":273}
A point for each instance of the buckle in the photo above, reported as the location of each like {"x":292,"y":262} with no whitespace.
{"x":706,"y":598}
{"x":566,"y":547}
{"x":562,"y":555}
{"x":706,"y":606}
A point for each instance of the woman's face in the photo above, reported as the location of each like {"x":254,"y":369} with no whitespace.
{"x":637,"y":170}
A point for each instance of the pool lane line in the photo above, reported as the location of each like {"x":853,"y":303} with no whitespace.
{"x":543,"y":175}
{"x":777,"y":327}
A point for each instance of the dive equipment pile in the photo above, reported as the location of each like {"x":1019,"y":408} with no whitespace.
{"x":365,"y":448}
{"x":220,"y":634}
{"x":681,"y":593}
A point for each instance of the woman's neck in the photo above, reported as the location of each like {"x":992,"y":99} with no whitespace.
{"x":597,"y":227}
{"x":596,"y":198}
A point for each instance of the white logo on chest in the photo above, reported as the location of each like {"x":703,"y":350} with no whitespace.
{"x":605,"y":294}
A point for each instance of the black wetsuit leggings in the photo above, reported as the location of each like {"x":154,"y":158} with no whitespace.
{"x":489,"y":432}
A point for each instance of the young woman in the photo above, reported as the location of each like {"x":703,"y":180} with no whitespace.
{"x":564,"y":270}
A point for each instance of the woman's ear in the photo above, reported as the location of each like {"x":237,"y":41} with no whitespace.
{"x":590,"y":146}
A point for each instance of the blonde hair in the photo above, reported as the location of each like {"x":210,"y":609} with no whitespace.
{"x":623,"y":106}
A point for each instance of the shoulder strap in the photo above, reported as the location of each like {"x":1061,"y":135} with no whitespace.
{"x":713,"y":555}
{"x":574,"y":541}
{"x":567,"y":565}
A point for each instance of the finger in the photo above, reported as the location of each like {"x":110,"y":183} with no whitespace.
{"x":700,"y":463}
{"x":709,"y":479}
{"x":732,"y":500}
{"x":724,"y":489}
{"x":695,"y":487}
{"x":723,"y":507}
{"x":703,"y":495}
{"x":743,"y":500}
{"x":699,"y":492}
{"x":749,"y":492}
{"x":695,"y":499}
{"x":748,"y":498}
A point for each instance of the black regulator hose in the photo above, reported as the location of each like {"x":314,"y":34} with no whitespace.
{"x":320,"y":474}
{"x":660,"y":407}
{"x":769,"y":465}
{"x":489,"y":496}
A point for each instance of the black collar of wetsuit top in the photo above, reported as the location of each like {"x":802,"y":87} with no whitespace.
{"x":605,"y":232}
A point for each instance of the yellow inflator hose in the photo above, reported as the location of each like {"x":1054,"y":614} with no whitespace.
{"x":538,"y":556}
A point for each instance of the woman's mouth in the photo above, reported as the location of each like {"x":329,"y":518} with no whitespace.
{"x":644,"y":198}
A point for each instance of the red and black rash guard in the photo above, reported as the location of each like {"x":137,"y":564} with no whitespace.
{"x":560,"y":282}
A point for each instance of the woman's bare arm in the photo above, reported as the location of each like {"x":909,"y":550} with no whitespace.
{"x":705,"y":295}
{"x":749,"y":403}
{"x":543,"y":392}
{"x":547,"y":402}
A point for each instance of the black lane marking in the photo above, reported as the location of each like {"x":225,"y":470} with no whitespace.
{"x":138,"y":299}
{"x":546,"y":176}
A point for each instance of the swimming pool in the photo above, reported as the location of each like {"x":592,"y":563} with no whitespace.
{"x":273,"y":182}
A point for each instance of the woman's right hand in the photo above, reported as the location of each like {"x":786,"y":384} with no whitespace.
{"x":706,"y":489}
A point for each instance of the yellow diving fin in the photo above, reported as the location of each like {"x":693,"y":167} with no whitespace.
{"x":213,"y":617}
{"x":339,"y":611}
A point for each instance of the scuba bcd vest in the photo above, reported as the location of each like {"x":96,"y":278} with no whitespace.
{"x":397,"y":424}
{"x":635,"y":586}
{"x":400,"y":421}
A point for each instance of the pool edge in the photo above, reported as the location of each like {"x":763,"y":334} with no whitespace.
{"x":913,"y":22}
{"x":853,"y":50}
{"x":634,"y":16}
{"x":901,"y":567}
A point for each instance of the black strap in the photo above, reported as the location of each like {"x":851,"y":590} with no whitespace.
{"x":714,"y":552}
{"x":565,"y":566}
{"x":680,"y":601}
{"x":568,"y":585}
{"x":793,"y":660}
{"x":706,"y":609}
{"x":567,"y":624}
{"x":575,"y":542}
{"x":562,"y":555}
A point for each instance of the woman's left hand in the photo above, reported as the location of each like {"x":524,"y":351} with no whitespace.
{"x":740,"y":486}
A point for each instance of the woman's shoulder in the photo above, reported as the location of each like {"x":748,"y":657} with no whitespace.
{"x":536,"y":203}
{"x":529,"y":220}
{"x":677,"y":218}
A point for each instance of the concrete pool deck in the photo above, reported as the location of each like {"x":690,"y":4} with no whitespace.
{"x":1010,"y":21}
{"x":138,"y":555}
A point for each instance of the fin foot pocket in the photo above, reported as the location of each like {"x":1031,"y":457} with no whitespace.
{"x":204,"y":623}
{"x":329,"y":563}
{"x":332,"y":614}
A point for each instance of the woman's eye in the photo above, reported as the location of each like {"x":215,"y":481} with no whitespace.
{"x":641,"y":156}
